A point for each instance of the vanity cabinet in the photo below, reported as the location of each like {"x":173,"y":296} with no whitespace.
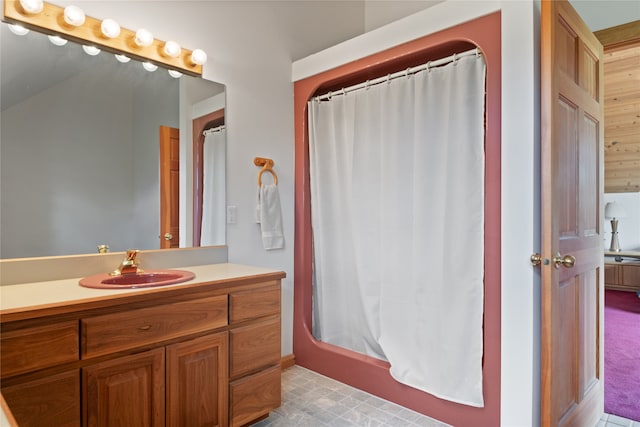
{"x":198,"y":355}
{"x":622,"y":276}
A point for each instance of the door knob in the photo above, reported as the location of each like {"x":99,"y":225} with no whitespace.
{"x":536,"y":260}
{"x":168,"y":236}
{"x":568,"y":261}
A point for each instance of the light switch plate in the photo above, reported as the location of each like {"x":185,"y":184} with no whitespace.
{"x":232,"y":214}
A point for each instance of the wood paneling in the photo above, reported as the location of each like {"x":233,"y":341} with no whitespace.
{"x":622,"y":119}
{"x":620,"y":35}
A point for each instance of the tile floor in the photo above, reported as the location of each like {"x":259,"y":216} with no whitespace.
{"x":312,"y":400}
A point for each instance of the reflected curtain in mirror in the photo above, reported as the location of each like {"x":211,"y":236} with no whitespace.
{"x":213,"y":192}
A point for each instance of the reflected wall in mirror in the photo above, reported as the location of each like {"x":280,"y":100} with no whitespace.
{"x":80,"y":152}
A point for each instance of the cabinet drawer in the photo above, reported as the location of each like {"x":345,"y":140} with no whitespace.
{"x":135,"y":328}
{"x":29,"y":349}
{"x":253,"y":304}
{"x":254,"y":396}
{"x":254,"y":347}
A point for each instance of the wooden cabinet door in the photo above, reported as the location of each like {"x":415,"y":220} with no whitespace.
{"x":611,"y":274}
{"x":127,"y":391}
{"x":196,"y":382}
{"x":51,"y":401}
{"x":631,"y":276}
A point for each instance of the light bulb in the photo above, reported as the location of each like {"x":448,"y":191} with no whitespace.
{"x":149,"y":66}
{"x":18,"y":30}
{"x":73,"y":15}
{"x":143,"y":37}
{"x":90,"y":50}
{"x":198,"y":57}
{"x":57,"y":40}
{"x":122,"y":58}
{"x":175,"y":74}
{"x":32,"y":6}
{"x":110,"y":28}
{"x":172,"y":49}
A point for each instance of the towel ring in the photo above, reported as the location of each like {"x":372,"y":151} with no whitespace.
{"x":271,"y":171}
{"x":267,"y":166}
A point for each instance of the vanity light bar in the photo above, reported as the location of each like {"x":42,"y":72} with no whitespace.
{"x":51,"y":21}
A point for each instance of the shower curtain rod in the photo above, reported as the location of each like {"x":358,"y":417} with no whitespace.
{"x":407,"y":72}
{"x":212,"y":130}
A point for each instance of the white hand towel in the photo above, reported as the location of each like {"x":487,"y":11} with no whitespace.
{"x":269,"y":216}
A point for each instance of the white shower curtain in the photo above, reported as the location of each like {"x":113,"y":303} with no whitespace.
{"x":397,"y":197}
{"x":213,"y":189}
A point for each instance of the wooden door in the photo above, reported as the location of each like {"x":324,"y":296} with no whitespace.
{"x":197,"y":382}
{"x":572,"y":186}
{"x":169,"y":187}
{"x":127,"y":391}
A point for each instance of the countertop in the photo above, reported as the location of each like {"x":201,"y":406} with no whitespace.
{"x":47,"y":295}
{"x":624,"y":257}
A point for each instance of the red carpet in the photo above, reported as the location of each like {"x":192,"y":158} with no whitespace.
{"x":622,"y":354}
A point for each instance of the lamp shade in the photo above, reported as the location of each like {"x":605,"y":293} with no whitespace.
{"x":614,"y":210}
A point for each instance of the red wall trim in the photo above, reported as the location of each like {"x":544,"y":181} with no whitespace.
{"x":364,"y":372}
{"x":199,"y":125}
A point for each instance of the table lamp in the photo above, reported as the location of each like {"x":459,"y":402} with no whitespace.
{"x":613,"y":211}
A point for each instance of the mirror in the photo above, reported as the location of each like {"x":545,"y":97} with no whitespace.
{"x":80,"y":149}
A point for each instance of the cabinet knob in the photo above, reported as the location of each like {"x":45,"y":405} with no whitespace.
{"x":168,"y":236}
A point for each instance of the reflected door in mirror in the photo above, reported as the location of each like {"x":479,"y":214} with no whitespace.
{"x":169,"y":187}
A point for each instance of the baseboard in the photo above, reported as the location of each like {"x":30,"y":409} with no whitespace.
{"x":287,"y":361}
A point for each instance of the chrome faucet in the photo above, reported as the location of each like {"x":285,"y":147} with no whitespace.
{"x":129,"y":265}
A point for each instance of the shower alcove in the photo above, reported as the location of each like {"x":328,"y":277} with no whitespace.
{"x":367,"y":373}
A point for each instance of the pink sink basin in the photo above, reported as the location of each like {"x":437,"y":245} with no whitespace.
{"x":138,"y":280}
